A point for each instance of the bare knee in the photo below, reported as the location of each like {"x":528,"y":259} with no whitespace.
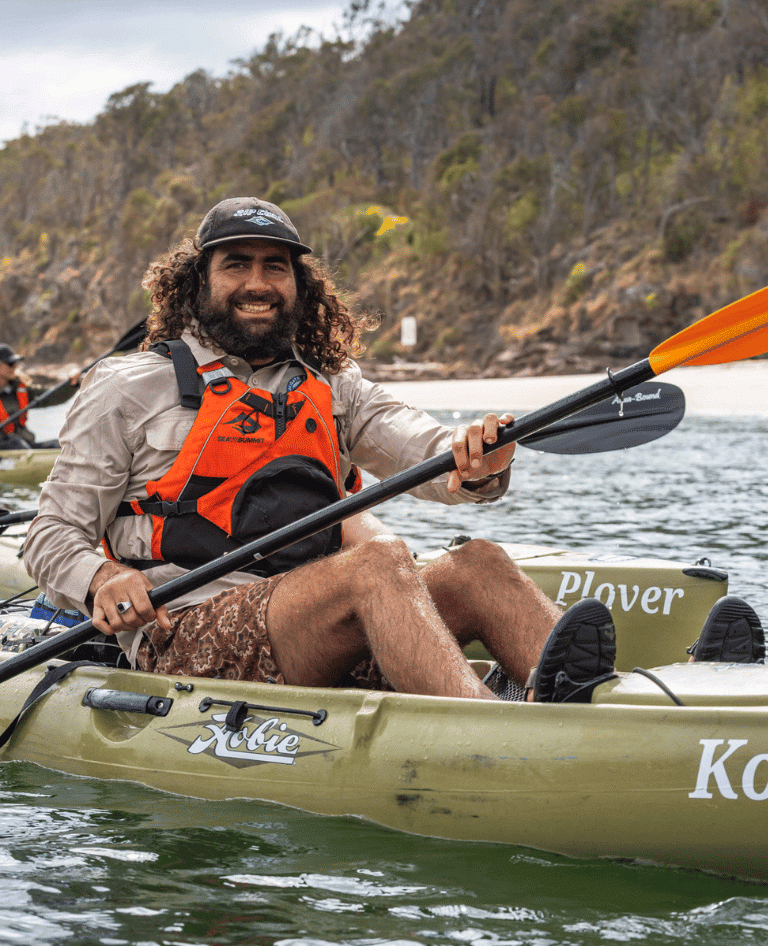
{"x":383,"y":555}
{"x":464,"y":582}
{"x":479,"y":556}
{"x":381,"y":559}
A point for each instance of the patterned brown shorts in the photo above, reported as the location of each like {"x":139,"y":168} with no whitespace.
{"x":226,"y":637}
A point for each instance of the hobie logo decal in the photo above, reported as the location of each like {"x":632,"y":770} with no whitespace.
{"x":271,"y":741}
{"x":258,"y":741}
{"x":653,"y":600}
{"x":713,"y":769}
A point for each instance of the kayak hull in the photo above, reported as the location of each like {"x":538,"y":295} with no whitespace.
{"x":631,"y":775}
{"x":26,"y":467}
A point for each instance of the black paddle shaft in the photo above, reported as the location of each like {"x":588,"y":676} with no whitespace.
{"x":647,"y":412}
{"x":325,"y":518}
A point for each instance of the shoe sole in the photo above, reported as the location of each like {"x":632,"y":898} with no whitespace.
{"x":731,"y":634}
{"x":582,"y":645}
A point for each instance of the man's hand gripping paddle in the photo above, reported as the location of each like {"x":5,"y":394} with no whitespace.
{"x":740,"y":330}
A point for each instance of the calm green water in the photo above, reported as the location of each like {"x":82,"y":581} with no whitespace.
{"x":113,"y":864}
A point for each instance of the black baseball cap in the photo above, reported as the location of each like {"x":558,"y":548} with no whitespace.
{"x":8,"y":355}
{"x":248,"y":218}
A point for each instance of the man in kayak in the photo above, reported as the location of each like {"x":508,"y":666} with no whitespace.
{"x":245,"y":414}
{"x":15,"y":394}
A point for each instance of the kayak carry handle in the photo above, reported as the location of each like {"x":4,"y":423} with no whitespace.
{"x":238,"y":711}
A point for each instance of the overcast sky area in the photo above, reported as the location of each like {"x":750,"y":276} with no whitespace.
{"x":62,"y":59}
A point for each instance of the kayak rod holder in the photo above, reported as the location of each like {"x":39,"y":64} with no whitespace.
{"x":238,"y":711}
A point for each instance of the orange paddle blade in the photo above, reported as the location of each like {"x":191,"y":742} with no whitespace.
{"x":739,"y":330}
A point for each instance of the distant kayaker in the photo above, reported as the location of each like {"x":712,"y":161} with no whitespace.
{"x":243,"y":414}
{"x":15,"y":395}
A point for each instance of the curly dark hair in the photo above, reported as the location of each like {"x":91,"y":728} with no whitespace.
{"x":328,"y":331}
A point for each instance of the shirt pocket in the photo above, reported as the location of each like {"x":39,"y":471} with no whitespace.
{"x":168,"y":432}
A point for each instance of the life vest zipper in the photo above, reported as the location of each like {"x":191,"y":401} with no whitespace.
{"x":281,"y":422}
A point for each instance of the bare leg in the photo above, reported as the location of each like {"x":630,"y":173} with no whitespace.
{"x":483,"y":595}
{"x":325,"y":617}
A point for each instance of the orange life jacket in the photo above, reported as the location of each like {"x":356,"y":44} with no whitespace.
{"x":22,"y":399}
{"x":252,"y":463}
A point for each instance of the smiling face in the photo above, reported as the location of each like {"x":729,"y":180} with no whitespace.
{"x":249,"y":304}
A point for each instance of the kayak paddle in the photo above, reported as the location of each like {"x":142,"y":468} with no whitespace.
{"x":129,"y":341}
{"x":642,"y":414}
{"x":645,"y":413}
{"x":739,"y":330}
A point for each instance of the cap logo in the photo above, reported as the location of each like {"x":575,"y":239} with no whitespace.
{"x":259,"y":213}
{"x":241,"y":218}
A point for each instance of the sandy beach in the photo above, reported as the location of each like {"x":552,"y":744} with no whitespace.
{"x":734,"y":389}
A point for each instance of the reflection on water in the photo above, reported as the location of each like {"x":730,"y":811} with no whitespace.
{"x":112,"y":864}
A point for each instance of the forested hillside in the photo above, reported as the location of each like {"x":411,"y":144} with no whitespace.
{"x":547,"y":185}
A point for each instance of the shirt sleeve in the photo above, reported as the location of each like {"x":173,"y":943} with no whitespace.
{"x":81,"y":496}
{"x":385,"y":437}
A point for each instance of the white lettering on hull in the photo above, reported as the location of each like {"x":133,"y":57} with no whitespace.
{"x":711,"y":768}
{"x":267,"y":742}
{"x":653,"y":600}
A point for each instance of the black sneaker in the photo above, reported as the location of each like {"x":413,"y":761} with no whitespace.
{"x":579,"y":653}
{"x":731,"y":634}
{"x":503,"y":686}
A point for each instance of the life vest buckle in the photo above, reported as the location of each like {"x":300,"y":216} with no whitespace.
{"x":168,"y":509}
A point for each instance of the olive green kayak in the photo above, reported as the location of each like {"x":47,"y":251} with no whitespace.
{"x":631,"y":775}
{"x":26,"y":467}
{"x":13,"y":577}
{"x":634,"y":774}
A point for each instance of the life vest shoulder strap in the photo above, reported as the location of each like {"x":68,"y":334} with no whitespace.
{"x":185,"y":366}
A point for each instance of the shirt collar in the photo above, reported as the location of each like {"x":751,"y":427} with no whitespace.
{"x":204,"y":354}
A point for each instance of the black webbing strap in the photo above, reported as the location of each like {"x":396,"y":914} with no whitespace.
{"x":51,"y":678}
{"x":258,"y":403}
{"x":157,"y":507}
{"x":185,"y":366}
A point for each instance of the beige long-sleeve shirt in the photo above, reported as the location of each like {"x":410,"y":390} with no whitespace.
{"x":126,"y":427}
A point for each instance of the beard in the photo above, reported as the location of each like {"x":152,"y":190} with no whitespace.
{"x":251,"y":341}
